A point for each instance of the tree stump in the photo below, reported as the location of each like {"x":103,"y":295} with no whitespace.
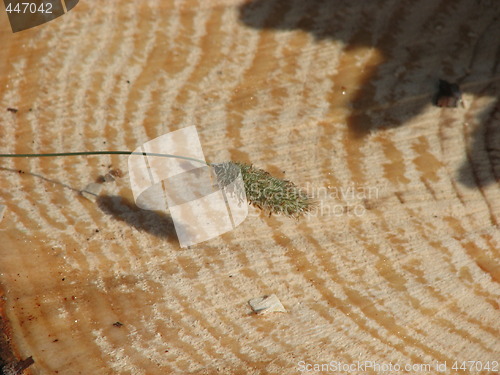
{"x":398,"y":265}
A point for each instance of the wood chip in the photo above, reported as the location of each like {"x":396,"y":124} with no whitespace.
{"x":117,"y":172}
{"x":108,"y":177}
{"x":91,"y":191}
{"x":266,"y":304}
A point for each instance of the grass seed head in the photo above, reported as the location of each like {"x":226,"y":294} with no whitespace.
{"x":269,"y":193}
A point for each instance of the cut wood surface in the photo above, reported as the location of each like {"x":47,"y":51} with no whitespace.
{"x":399,"y":262}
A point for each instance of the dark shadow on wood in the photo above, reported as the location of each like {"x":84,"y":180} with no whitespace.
{"x":413,"y":68}
{"x":451,"y":40}
{"x":482,"y":166}
{"x":158,"y":224}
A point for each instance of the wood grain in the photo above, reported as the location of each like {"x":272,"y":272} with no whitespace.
{"x":400,"y":261}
